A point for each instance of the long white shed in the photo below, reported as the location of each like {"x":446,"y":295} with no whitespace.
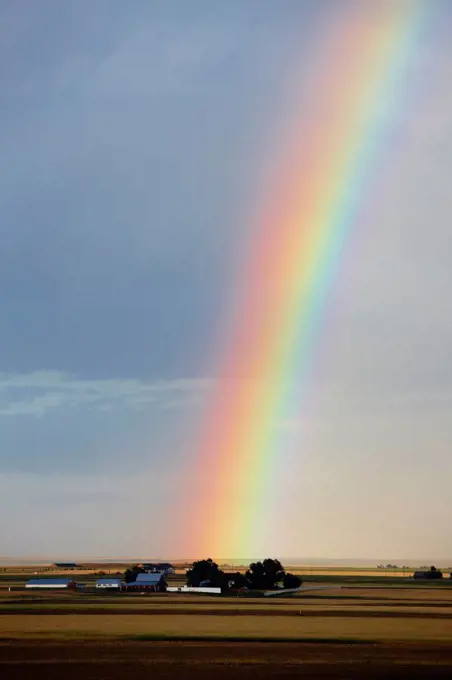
{"x":111,"y":583}
{"x":52,"y":583}
{"x":192,"y":589}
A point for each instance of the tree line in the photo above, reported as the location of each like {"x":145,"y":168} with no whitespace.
{"x":266,"y":575}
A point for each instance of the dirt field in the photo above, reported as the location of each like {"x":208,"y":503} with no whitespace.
{"x":224,"y":661}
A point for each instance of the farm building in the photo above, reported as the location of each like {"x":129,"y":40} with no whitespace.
{"x":420,"y":575}
{"x":208,"y":590}
{"x":109,"y":583}
{"x":161,"y":567}
{"x":428,"y":575}
{"x":53,"y":583}
{"x":154,"y":583}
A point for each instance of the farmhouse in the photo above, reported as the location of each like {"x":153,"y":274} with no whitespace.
{"x":52,"y":583}
{"x":154,"y":583}
{"x":110,"y":583}
{"x":161,"y":567}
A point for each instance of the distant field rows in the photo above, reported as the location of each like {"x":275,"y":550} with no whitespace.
{"x":180,"y":573}
{"x":353,"y":613}
{"x":347,"y":607}
{"x":331,"y":612}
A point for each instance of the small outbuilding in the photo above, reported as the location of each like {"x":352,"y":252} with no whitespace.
{"x":52,"y":583}
{"x":153,"y":583}
{"x":109,"y":583}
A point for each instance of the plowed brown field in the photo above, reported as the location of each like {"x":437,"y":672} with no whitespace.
{"x":222,"y":661}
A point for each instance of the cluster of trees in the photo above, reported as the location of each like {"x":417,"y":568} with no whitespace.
{"x":266,"y":575}
{"x":130,"y":575}
{"x":433,"y":573}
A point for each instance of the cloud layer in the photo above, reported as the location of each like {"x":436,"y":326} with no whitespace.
{"x":43,"y":391}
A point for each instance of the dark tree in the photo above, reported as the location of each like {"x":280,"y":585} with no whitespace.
{"x":265,"y":575}
{"x":205,"y":570}
{"x":237,"y":581}
{"x":162,"y":586}
{"x":291,"y":581}
{"x":434,"y":573}
{"x":130,"y":575}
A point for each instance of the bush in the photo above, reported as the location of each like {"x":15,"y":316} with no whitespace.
{"x":291,"y":581}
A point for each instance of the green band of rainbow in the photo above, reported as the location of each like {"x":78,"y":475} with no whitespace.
{"x":294,"y":259}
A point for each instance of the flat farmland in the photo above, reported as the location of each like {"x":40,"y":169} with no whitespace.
{"x":343,"y":632}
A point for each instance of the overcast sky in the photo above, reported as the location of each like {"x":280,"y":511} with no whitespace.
{"x":133,"y":135}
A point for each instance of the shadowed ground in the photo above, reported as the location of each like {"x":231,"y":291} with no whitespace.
{"x":138,"y":660}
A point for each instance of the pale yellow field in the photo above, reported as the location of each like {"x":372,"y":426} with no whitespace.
{"x":437,"y":593}
{"x":246,"y":626}
{"x":180,"y":571}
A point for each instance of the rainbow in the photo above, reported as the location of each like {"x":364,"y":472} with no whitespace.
{"x":331,"y":161}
